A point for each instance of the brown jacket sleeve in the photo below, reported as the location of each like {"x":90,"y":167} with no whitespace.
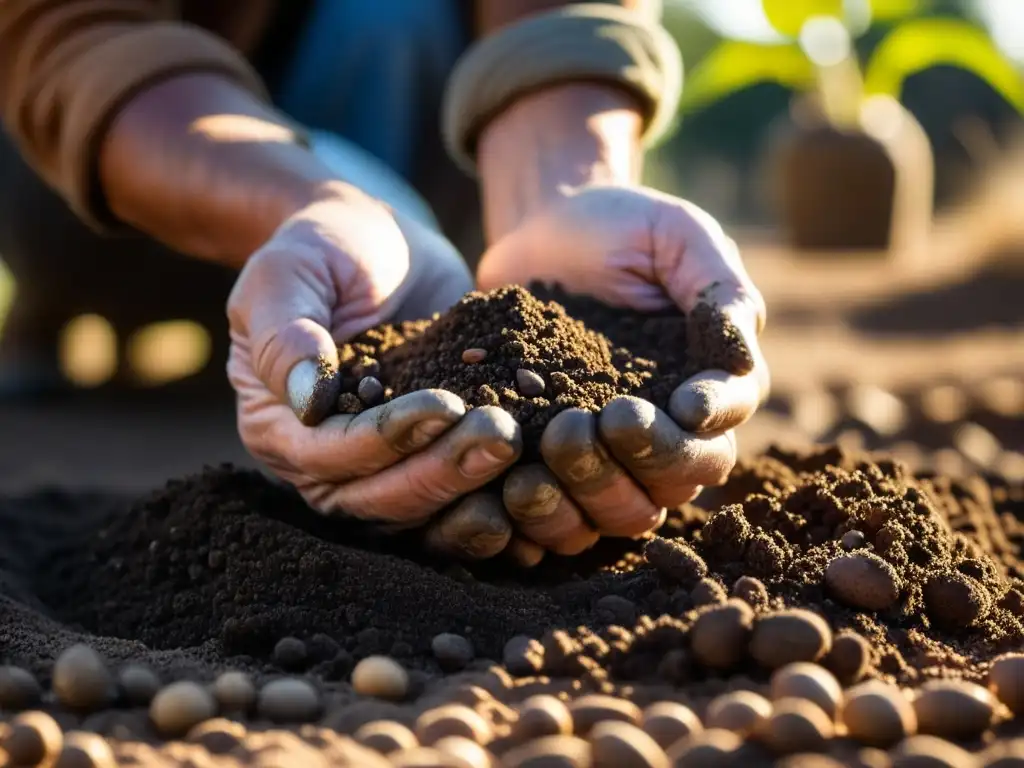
{"x":67,"y":65}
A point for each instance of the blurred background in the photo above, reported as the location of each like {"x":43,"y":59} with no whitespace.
{"x":868,"y":156}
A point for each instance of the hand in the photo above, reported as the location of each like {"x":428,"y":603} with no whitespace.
{"x":336,"y":268}
{"x":615,"y":473}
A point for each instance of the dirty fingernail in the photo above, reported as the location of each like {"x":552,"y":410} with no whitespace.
{"x":313,"y":388}
{"x":427,"y":432}
{"x":483,"y":461}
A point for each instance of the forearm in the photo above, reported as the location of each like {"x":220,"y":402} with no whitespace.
{"x":551,"y":141}
{"x":206,"y":167}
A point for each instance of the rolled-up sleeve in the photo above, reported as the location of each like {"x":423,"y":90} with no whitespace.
{"x":66,"y":66}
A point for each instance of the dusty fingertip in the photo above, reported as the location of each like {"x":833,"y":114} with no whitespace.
{"x":524,"y":552}
{"x":626,"y":420}
{"x":692,"y":405}
{"x":531,"y":492}
{"x":313,"y":386}
{"x":476,"y":529}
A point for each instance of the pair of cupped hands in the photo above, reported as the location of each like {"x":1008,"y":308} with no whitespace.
{"x":347,"y":262}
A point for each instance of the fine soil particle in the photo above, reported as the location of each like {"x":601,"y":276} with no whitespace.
{"x":537,"y":352}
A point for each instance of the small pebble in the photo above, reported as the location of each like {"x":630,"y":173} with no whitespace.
{"x":849,"y":658}
{"x":675,"y":561}
{"x":807,"y":681}
{"x":953,"y":709}
{"x":370,"y":390}
{"x":381,"y":677}
{"x":523,"y":656}
{"x":789,"y":635}
{"x":290,"y":653}
{"x":138,"y":684}
{"x":85,"y":750}
{"x":530,"y":384}
{"x":953,"y":600}
{"x":741,"y":712}
{"x":550,"y":752}
{"x":542,"y":715}
{"x":234,"y":691}
{"x":424,"y":757}
{"x":386,"y":736}
{"x":930,"y":752}
{"x":796,"y":725}
{"x":81,"y":679}
{"x":217,"y":735}
{"x":713,"y":748}
{"x":289,"y":700}
{"x":453,"y":652}
{"x":614,"y":745}
{"x":877,"y":714}
{"x":452,"y":720}
{"x":587,"y":711}
{"x":718,"y":638}
{"x":19,"y":689}
{"x":33,"y":738}
{"x":752,"y":591}
{"x":852,"y":540}
{"x":617,"y":610}
{"x":667,"y":722}
{"x":469,"y":752}
{"x":180,"y":706}
{"x":863,"y":580}
{"x":1006,"y":681}
{"x":708,"y":592}
{"x":474,"y":355}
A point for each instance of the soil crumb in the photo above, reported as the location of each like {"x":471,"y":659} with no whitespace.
{"x":537,"y":352}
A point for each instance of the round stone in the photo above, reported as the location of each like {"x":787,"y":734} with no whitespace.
{"x":81,"y":679}
{"x":808,"y":681}
{"x":718,"y":638}
{"x":877,"y":714}
{"x":19,"y":689}
{"x":453,"y":652}
{"x":381,"y":677}
{"x":1006,"y":681}
{"x":138,"y":684}
{"x":790,"y":635}
{"x":452,"y":720}
{"x":667,"y":722}
{"x":234,"y":691}
{"x":33,"y":738}
{"x":615,"y":744}
{"x":289,"y":700}
{"x":290,"y":653}
{"x":954,"y":709}
{"x":741,"y":712}
{"x":180,"y":706}
{"x":85,"y":750}
{"x":796,"y":725}
{"x":542,"y":715}
{"x":386,"y":736}
{"x":863,"y":580}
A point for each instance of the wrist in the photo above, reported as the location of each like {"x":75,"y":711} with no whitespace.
{"x":550,"y":142}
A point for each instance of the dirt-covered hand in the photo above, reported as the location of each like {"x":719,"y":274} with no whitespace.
{"x":614,"y":473}
{"x":339,"y":267}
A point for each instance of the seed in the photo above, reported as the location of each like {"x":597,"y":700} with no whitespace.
{"x":234,"y":691}
{"x":954,"y":709}
{"x":852,"y":540}
{"x":849,"y":658}
{"x":452,"y":720}
{"x":796,"y":725}
{"x":453,"y":652}
{"x":474,"y":355}
{"x":139,"y":684}
{"x":752,"y":591}
{"x":930,"y":751}
{"x":718,"y":638}
{"x":708,"y":749}
{"x":542,"y":715}
{"x":370,"y":390}
{"x":675,"y":561}
{"x":381,"y":677}
{"x":467,"y":752}
{"x":218,"y":736}
{"x":1006,"y":681}
{"x":790,"y":635}
{"x":615,"y":744}
{"x":85,"y":750}
{"x":19,"y":689}
{"x":33,"y":738}
{"x":550,"y":752}
{"x":523,"y":656}
{"x":289,"y":700}
{"x":877,"y":714}
{"x":667,"y":722}
{"x":587,"y":711}
{"x":180,"y":706}
{"x":863,"y":580}
{"x":290,"y":653}
{"x":741,"y":712}
{"x":953,"y":600}
{"x":81,"y":679}
{"x":708,"y":592}
{"x":530,"y":384}
{"x":807,"y":681}
{"x":386,"y":736}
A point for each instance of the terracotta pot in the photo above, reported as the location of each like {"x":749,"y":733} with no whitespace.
{"x":866,"y":187}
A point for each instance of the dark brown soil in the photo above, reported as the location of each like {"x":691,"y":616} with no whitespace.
{"x":585,"y":352}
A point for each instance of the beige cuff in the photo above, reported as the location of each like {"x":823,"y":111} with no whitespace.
{"x":111,"y":73}
{"x":592,"y":42}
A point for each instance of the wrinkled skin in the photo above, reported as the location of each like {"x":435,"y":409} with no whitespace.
{"x":614,"y":473}
{"x":337,"y":268}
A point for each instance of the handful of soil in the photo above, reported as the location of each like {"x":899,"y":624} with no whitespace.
{"x":537,"y":352}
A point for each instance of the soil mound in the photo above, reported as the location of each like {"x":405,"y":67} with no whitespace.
{"x":572,"y":350}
